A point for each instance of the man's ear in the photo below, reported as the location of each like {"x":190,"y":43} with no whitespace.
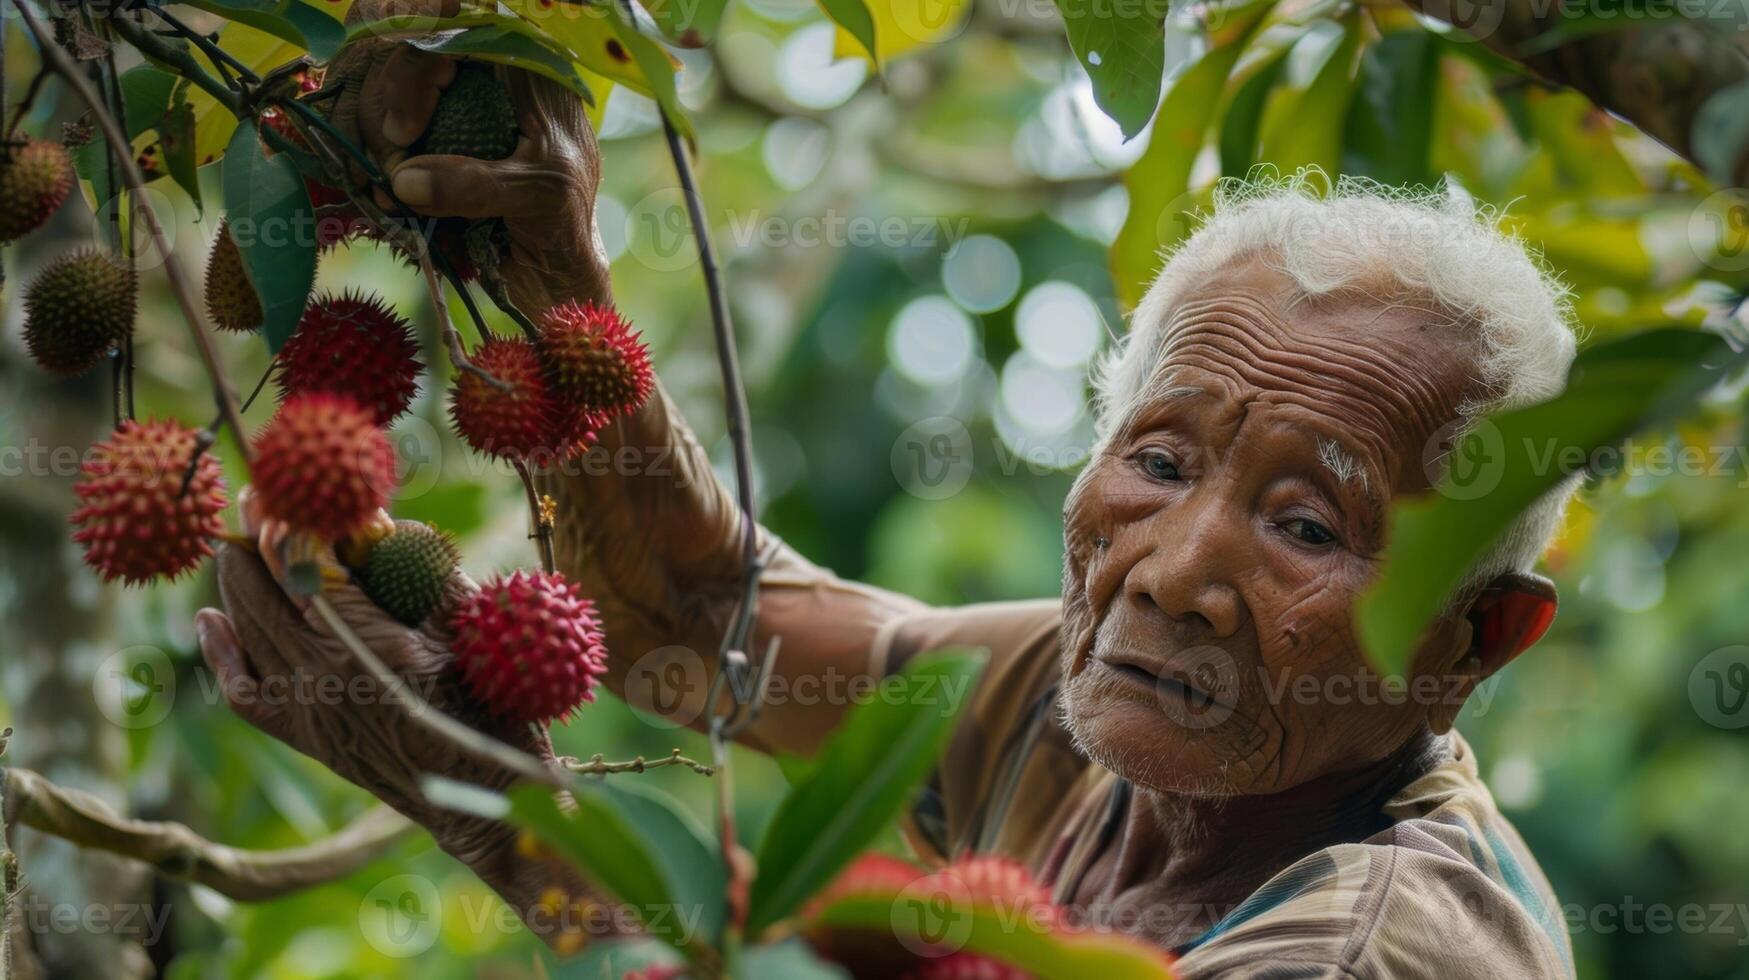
{"x":1506,"y":618}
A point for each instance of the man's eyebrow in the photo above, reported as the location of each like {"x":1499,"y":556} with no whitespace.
{"x":1341,"y":465}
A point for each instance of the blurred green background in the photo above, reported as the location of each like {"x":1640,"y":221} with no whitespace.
{"x":941,"y":245}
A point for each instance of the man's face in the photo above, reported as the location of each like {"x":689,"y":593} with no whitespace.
{"x":1216,"y":547}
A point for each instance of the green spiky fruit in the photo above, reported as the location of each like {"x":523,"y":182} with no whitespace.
{"x":406,"y":571}
{"x":34,"y":179}
{"x":78,"y":308}
{"x":230,"y":298}
{"x":475,"y":117}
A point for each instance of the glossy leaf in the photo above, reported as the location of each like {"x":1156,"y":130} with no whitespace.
{"x":902,"y":26}
{"x":1159,"y":182}
{"x":295,"y":22}
{"x":1512,"y":459}
{"x":484,"y":36}
{"x":269,"y":209}
{"x":853,"y":17}
{"x":176,"y":139}
{"x":1122,"y":45}
{"x":1390,"y":121}
{"x":590,"y":34}
{"x":860,"y":782}
{"x":606,"y":840}
{"x":1304,"y":128}
{"x":688,"y":23}
{"x":925,"y":914}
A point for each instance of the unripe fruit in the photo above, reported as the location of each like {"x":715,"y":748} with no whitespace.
{"x":529,"y":647}
{"x":134,"y":519}
{"x":34,"y":180}
{"x":522,"y":422}
{"x":352,"y":345}
{"x":475,"y":116}
{"x":77,"y":308}
{"x":599,"y":368}
{"x":406,"y":571}
{"x":323,"y":466}
{"x":231,"y":300}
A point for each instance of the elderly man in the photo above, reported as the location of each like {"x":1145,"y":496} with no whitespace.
{"x":1188,"y":744}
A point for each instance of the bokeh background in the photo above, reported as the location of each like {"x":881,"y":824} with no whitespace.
{"x":921,"y":270}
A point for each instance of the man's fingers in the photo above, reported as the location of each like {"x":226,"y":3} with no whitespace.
{"x":462,"y":187}
{"x":224,"y":656}
{"x":399,"y":97}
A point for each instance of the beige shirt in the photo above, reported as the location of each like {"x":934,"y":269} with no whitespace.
{"x":1447,"y":890}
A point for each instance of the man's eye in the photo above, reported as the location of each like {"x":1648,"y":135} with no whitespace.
{"x":1159,"y":466}
{"x":1309,"y":531}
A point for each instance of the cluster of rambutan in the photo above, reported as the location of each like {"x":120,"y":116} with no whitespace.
{"x":151,"y":495}
{"x":547,"y":398}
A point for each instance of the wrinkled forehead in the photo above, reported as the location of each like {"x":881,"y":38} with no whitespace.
{"x":1368,"y":367}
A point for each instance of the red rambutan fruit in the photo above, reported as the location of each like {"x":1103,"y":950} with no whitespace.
{"x":529,"y":647}
{"x":323,"y":466}
{"x":599,"y":368}
{"x":134,"y":519}
{"x":354,"y":345}
{"x":966,"y":966}
{"x":522,"y":422}
{"x":35,"y":180}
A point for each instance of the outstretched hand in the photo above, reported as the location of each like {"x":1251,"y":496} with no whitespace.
{"x":285,"y":672}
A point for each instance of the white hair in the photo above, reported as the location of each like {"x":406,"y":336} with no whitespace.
{"x":1436,"y":245}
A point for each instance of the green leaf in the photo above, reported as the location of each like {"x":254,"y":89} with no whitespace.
{"x":641,"y":849}
{"x":999,"y":930}
{"x":289,"y":20}
{"x":1245,"y":114}
{"x":853,"y":16}
{"x":270,"y":214}
{"x":1390,"y":122}
{"x":861,"y":780}
{"x":1721,"y":132}
{"x":484,"y":36}
{"x":176,"y":139}
{"x":145,"y":93}
{"x":1159,"y":181}
{"x":657,"y":69}
{"x":1510,"y":460}
{"x":1122,"y":44}
{"x":1303,"y":129}
{"x":689,"y":23}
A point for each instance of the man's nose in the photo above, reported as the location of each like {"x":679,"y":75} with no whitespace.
{"x":1191,"y":572}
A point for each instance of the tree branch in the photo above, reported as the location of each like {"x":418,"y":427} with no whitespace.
{"x":1656,"y":76}
{"x":179,"y":853}
{"x":120,"y":151}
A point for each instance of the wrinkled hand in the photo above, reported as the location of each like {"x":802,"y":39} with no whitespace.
{"x":282,"y":670}
{"x":545,"y":191}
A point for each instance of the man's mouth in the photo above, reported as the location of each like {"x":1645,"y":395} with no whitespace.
{"x":1161,"y":683}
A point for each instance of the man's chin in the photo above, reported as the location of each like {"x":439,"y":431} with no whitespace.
{"x":1162,"y":747}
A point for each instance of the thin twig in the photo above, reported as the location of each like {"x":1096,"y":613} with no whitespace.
{"x":178,"y":852}
{"x":180,"y":284}
{"x":446,"y":326}
{"x":543,"y":531}
{"x":208,"y":47}
{"x":177,"y":58}
{"x":596,"y":766}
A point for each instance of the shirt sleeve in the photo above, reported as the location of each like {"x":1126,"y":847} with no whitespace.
{"x":988,"y":778}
